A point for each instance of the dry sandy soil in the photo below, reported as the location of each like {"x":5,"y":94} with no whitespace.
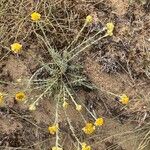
{"x":117,"y":64}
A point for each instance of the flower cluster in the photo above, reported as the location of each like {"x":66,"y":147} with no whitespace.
{"x":124,"y":99}
{"x":32,"y":107}
{"x":110,"y":28}
{"x":1,"y":99}
{"x":90,"y":127}
{"x":16,"y":47}
{"x":89,"y":19}
{"x":35,"y":16}
{"x":65,"y":104}
{"x":20,"y":96}
{"x":78,"y":107}
{"x":99,"y":122}
{"x":53,"y":129}
{"x":85,"y":146}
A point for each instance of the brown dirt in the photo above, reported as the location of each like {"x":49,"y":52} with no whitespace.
{"x":21,"y":129}
{"x":119,"y":7}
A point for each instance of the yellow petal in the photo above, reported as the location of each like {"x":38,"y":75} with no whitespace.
{"x":78,"y":107}
{"x":124,"y":99}
{"x":20,"y":96}
{"x":32,"y":107}
{"x":85,"y":146}
{"x":35,"y":16}
{"x":89,"y":19}
{"x":99,"y":122}
{"x":1,"y":99}
{"x":53,"y":129}
{"x":89,"y":128}
{"x":110,"y":28}
{"x":65,"y":105}
{"x":16,"y":47}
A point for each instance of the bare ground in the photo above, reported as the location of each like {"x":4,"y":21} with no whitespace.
{"x":119,"y":64}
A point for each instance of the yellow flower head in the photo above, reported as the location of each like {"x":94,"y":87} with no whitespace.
{"x":124,"y":99}
{"x":35,"y":16}
{"x":20,"y":96}
{"x":99,"y":122}
{"x":89,"y":128}
{"x":16,"y":47}
{"x":56,"y":148}
{"x":89,"y":19}
{"x":110,"y":28}
{"x":65,"y":105}
{"x":1,"y":99}
{"x":32,"y":107}
{"x":19,"y":80}
{"x":53,"y":129}
{"x":85,"y":146}
{"x":78,"y":107}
